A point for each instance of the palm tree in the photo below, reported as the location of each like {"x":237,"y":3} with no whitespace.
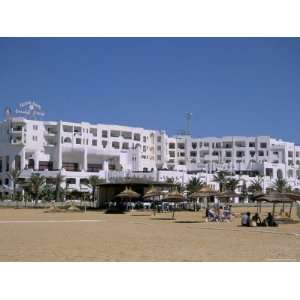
{"x":232,"y":184}
{"x":58,"y":181}
{"x":256,"y":185}
{"x":280,"y":185}
{"x":194,"y":185}
{"x":13,"y":176}
{"x":221,"y":178}
{"x":36,"y":184}
{"x":94,"y":181}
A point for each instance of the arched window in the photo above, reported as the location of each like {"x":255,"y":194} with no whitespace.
{"x":279,"y":174}
{"x":67,"y":140}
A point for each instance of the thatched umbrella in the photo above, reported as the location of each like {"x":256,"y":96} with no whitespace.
{"x":275,"y":198}
{"x":174,"y":196}
{"x":152,"y":194}
{"x":228,"y":195}
{"x":204,"y":192}
{"x":128,"y":194}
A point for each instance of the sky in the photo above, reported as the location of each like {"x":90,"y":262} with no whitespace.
{"x":232,"y":86}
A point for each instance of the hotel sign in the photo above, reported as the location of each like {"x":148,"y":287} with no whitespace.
{"x":31,"y":109}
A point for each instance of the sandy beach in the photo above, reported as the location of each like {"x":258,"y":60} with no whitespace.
{"x":33,"y":235}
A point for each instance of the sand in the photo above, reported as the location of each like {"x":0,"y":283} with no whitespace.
{"x":33,"y":235}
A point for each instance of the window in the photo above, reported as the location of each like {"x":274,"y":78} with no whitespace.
{"x":193,"y":153}
{"x":218,"y":145}
{"x":275,"y":153}
{"x":104,"y":133}
{"x":115,"y":133}
{"x":263,"y":145}
{"x":127,"y":135}
{"x":159,"y":148}
{"x":144,"y":148}
{"x":116,"y":145}
{"x":158,"y":157}
{"x":228,"y":154}
{"x":0,"y":165}
{"x":71,"y":167}
{"x":7,"y":163}
{"x":125,"y":146}
{"x":45,"y":165}
{"x":93,"y":131}
{"x":35,"y":138}
{"x":215,"y":153}
{"x":269,"y":172}
{"x":159,"y":139}
{"x":35,"y":127}
{"x":206,"y":144}
{"x":261,"y":153}
{"x":290,"y":154}
{"x":171,"y":145}
{"x":104,"y":144}
{"x":67,"y":140}
{"x":172,"y":154}
{"x":94,"y":168}
{"x":227,"y":145}
{"x":94,"y":142}
{"x":240,"y":154}
{"x":194,"y":145}
{"x":181,"y":146}
{"x":240,"y":144}
{"x":137,"y":137}
{"x":78,"y":141}
{"x":252,"y":144}
{"x":71,"y":181}
{"x":144,"y":139}
{"x":252,"y":153}
{"x":84,"y":181}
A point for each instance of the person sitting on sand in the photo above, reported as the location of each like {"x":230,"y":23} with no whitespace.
{"x":269,"y":221}
{"x":257,"y":220}
{"x":246,"y":219}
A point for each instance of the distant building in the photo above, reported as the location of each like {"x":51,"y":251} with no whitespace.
{"x":79,"y":150}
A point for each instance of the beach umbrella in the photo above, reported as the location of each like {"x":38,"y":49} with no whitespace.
{"x":152,"y":193}
{"x":203,"y":193}
{"x":174,"y":196}
{"x":275,"y":198}
{"x":227,"y":196}
{"x":128,"y":194}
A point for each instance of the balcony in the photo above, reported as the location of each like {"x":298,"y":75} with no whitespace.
{"x":18,"y":129}
{"x":17,"y":141}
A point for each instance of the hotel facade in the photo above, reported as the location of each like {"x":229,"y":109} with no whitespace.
{"x":79,"y":150}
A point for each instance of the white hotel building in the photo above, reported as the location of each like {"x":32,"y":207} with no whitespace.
{"x":79,"y":150}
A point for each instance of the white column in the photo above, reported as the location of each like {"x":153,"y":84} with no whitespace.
{"x":59,"y":147}
{"x":85,"y":160}
{"x":23,"y":159}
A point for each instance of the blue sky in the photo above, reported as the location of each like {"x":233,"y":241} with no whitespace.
{"x":232,"y":86}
